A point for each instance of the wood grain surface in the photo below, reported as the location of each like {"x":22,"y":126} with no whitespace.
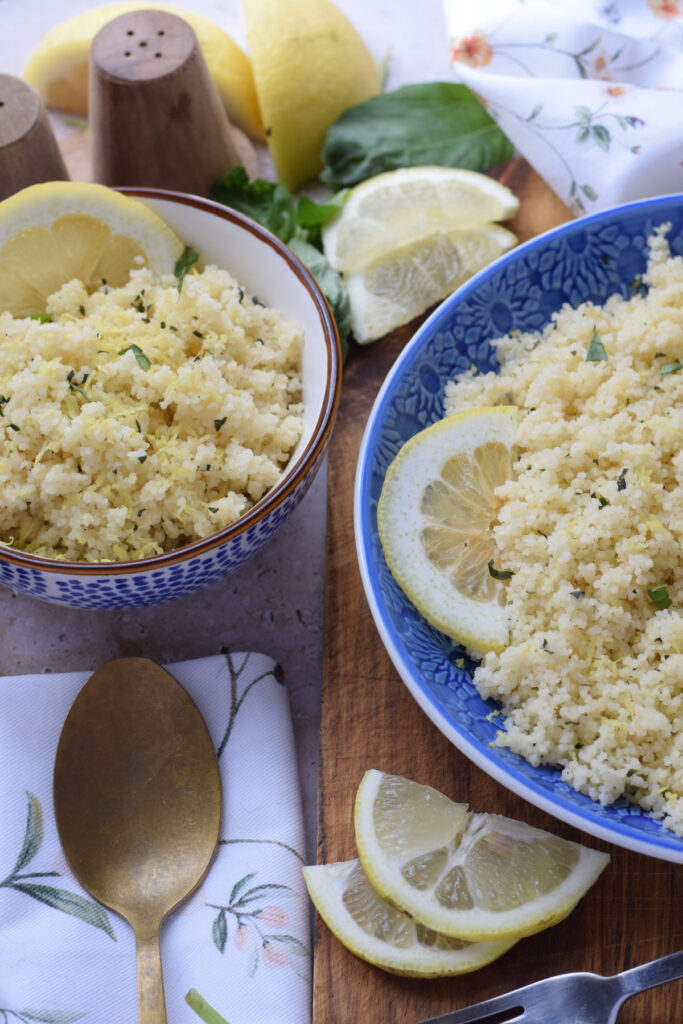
{"x":370,"y":720}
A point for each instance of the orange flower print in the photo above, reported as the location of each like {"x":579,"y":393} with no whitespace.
{"x":665,"y":8}
{"x":599,"y":67}
{"x":474,"y":50}
{"x":615,"y":91}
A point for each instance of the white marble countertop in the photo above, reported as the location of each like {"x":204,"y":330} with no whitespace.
{"x":274,"y":603}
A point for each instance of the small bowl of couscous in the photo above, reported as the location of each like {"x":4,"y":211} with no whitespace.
{"x":155,"y":433}
{"x":573,"y":697}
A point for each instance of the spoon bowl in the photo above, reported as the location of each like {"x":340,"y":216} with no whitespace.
{"x":137,"y":801}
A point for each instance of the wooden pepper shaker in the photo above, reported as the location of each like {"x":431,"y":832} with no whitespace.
{"x":156,"y":118}
{"x":28,"y":149}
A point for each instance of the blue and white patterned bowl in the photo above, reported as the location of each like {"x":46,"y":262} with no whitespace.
{"x":270,"y":270}
{"x":588,"y":259}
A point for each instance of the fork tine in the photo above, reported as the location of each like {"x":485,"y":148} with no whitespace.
{"x":483,"y":1012}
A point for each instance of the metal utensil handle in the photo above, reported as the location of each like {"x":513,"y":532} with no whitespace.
{"x":151,"y":1003}
{"x":657,"y":972}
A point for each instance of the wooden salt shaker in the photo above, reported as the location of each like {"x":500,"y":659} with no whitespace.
{"x":28,"y":149}
{"x":156,"y":118}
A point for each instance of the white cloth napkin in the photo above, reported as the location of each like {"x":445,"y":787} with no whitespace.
{"x":589,"y":91}
{"x":242,"y":940}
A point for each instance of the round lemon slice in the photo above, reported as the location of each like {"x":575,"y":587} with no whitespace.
{"x":58,"y":66}
{"x":57,"y":231}
{"x":435,"y":518}
{"x":378,"y":932}
{"x":402,"y":206}
{"x":406,"y":280}
{"x":479,"y":877}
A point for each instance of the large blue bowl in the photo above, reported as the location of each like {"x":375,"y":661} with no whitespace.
{"x":588,"y":259}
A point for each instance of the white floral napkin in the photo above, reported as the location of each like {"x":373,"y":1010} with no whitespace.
{"x":242,"y":940}
{"x":589,"y":91}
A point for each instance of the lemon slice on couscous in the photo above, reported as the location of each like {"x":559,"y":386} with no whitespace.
{"x":479,"y":877}
{"x":57,"y":231}
{"x":435,"y":515}
{"x":385,"y":936}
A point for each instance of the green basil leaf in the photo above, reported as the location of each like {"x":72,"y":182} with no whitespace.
{"x":270,"y":204}
{"x":183,"y":264}
{"x":499,"y":574}
{"x":660,"y":596}
{"x":439,"y":123}
{"x":596,"y":350}
{"x":310,"y":214}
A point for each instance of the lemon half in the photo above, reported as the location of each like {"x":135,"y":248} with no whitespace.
{"x":435,"y":518}
{"x":378,"y":932}
{"x":402,"y":206}
{"x":309,"y":65}
{"x":57,"y":231}
{"x":479,"y":877}
{"x":58,"y":66}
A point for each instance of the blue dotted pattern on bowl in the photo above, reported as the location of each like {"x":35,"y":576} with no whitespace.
{"x":585,"y":260}
{"x":147,"y":586}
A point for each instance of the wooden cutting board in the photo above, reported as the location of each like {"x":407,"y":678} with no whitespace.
{"x":370,"y":720}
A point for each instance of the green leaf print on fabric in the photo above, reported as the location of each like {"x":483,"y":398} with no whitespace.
{"x":255,"y":924}
{"x":60,"y":899}
{"x":236,"y":701}
{"x":43,"y":1016}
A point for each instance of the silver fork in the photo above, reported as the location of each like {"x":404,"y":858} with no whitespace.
{"x":579,"y":998}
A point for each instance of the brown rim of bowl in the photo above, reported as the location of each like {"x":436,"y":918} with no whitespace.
{"x":281,"y":490}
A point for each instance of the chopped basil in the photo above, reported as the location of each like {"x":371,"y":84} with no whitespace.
{"x":13,"y":426}
{"x":241,"y":294}
{"x":660,"y":596}
{"x":577,"y":594}
{"x":211,"y":508}
{"x":142,"y":359}
{"x":621,"y":480}
{"x":630,"y":772}
{"x":673,"y":367}
{"x":142,"y":458}
{"x":81,"y":310}
{"x":499,"y":574}
{"x":219,"y":423}
{"x":256,"y":301}
{"x":599,"y":497}
{"x":43,"y":318}
{"x":183,"y":264}
{"x":138,"y":427}
{"x":3,"y":401}
{"x":140,"y":512}
{"x":596,"y":350}
{"x":163,"y":325}
{"x":198,"y":334}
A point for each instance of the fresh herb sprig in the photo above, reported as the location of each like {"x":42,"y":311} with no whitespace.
{"x":298,"y":224}
{"x":187,"y":259}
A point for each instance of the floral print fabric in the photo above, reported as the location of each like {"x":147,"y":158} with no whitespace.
{"x":242,"y":940}
{"x":591,"y":93}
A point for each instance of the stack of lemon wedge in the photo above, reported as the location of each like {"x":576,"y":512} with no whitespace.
{"x":438,"y":890}
{"x":406,"y":239}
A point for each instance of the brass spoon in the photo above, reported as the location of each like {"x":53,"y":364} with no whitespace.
{"x":137,"y":801}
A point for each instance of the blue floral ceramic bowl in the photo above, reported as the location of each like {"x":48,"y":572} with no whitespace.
{"x":270,"y":270}
{"x":588,"y":259}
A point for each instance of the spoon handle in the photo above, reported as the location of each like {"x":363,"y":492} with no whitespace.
{"x":151,"y":1004}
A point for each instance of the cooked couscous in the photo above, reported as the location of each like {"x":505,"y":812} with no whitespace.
{"x":141,"y":418}
{"x":592,"y":529}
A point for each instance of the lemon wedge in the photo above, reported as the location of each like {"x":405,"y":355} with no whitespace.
{"x":378,"y":932}
{"x":435,"y":518}
{"x":58,"y":66}
{"x":56,"y":231}
{"x":479,"y":877}
{"x":406,"y":280}
{"x":405,"y":205}
{"x":309,"y":65}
